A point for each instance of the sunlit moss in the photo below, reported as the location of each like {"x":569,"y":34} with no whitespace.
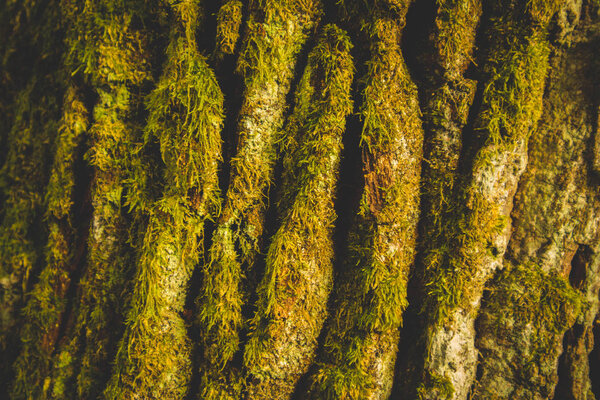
{"x":229,"y":21}
{"x":276,"y":33}
{"x":510,"y":108}
{"x":449,"y":96}
{"x":361,"y":338}
{"x":477,"y":217}
{"x":108,"y":50}
{"x":186,"y":116}
{"x":299,"y":271}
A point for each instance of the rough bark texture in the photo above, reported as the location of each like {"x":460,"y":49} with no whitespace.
{"x":272,"y":199}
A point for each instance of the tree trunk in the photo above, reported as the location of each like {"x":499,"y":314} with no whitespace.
{"x":267,"y":199}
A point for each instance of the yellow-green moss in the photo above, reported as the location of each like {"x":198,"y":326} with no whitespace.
{"x":186,"y":116}
{"x":108,"y":48}
{"x":511,"y":106}
{"x":477,"y":217}
{"x":439,"y":386}
{"x":361,"y":338}
{"x":449,"y":96}
{"x":47,"y":300}
{"x":275,"y":35}
{"x":530,"y":310}
{"x":293,"y":293}
{"x":229,"y":21}
{"x":30,"y":125}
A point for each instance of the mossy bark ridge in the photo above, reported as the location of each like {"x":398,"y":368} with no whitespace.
{"x":47,"y":302}
{"x":275,"y":34}
{"x":111,"y":55}
{"x":28,"y":138}
{"x":553,"y":252}
{"x":457,"y":271}
{"x":448,"y":96}
{"x":359,"y":352}
{"x":294,"y":290}
{"x":186,"y":116}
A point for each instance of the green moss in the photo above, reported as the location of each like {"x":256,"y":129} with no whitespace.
{"x":448,"y":97}
{"x":361,"y":338}
{"x":107,"y":50}
{"x":35,"y":90}
{"x":473,"y":241}
{"x":229,"y":21}
{"x":186,"y":117}
{"x":276,"y":33}
{"x":293,"y":293}
{"x":530,"y":310}
{"x":511,"y":106}
{"x":440,"y":386}
{"x":47,"y":300}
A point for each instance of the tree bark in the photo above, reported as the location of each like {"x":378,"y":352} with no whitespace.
{"x":199,"y":200}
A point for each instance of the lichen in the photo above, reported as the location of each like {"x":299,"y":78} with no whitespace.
{"x":360,"y":343}
{"x":276,"y":33}
{"x":293,"y":293}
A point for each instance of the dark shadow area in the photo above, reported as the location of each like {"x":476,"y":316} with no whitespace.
{"x":565,"y":385}
{"x":594,"y":360}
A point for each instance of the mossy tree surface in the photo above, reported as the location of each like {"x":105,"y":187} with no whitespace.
{"x":29,"y":141}
{"x":198,"y":200}
{"x":552,"y":256}
{"x":186,"y":116}
{"x":275,"y":34}
{"x":292,"y":296}
{"x":360,"y":344}
{"x":110,"y":55}
{"x":456,"y":271}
